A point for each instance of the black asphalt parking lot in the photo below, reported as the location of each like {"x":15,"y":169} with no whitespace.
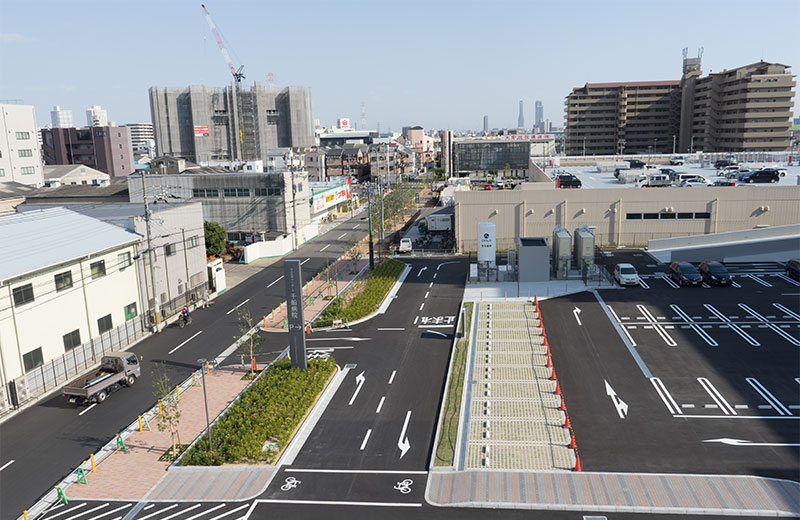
{"x":717,"y":385}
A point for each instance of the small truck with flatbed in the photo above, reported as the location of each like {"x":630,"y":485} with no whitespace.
{"x":117,"y":369}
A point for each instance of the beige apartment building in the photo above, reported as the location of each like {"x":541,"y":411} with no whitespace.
{"x":617,"y":118}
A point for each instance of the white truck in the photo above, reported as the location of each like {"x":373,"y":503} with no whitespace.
{"x":436,"y":223}
{"x":117,"y":369}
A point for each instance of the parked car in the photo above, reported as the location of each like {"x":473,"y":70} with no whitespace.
{"x":677,"y":161}
{"x":782,"y":171}
{"x":697,"y":180}
{"x":406,"y":245}
{"x":568,"y":181}
{"x":723,"y":172}
{"x":635,"y":164}
{"x":734,"y":174}
{"x":487,"y":186}
{"x":668,"y":171}
{"x":714,"y":273}
{"x":724,"y":182}
{"x":724,"y":162}
{"x":793,"y":268}
{"x":625,"y":274}
{"x":685,"y":273}
{"x":760,"y":176}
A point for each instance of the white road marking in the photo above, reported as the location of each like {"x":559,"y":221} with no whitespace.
{"x":304,"y":261}
{"x":173,"y":506}
{"x":708,"y":339}
{"x":355,"y":227}
{"x":87,"y":409}
{"x":736,"y":284}
{"x":576,"y":312}
{"x":787,"y":311}
{"x":113,"y":511}
{"x":227,"y":513}
{"x":739,"y":442}
{"x":276,"y":281}
{"x":7,"y":464}
{"x":380,"y":405}
{"x":230,"y":311}
{"x":337,"y":503}
{"x":416,"y":319}
{"x":324,"y":248}
{"x":430,"y":285}
{"x":357,"y":471}
{"x":768,"y":397}
{"x":173,"y":515}
{"x":716,"y":396}
{"x":205,"y":512}
{"x":101,"y":506}
{"x":402,"y":442}
{"x":343,"y":235}
{"x":661,"y":332}
{"x":436,"y":326}
{"x":185,"y":342}
{"x":760,"y":417}
{"x":687,"y":406}
{"x":788,"y":337}
{"x":421,"y":306}
{"x":445,"y":263}
{"x":736,"y":328}
{"x":366,"y":438}
{"x":71,"y":509}
{"x":633,"y":343}
{"x":436,"y":332}
{"x":670,"y":282}
{"x":391,"y":328}
{"x":434,"y":274}
{"x":427,"y":293}
{"x":643,"y":283}
{"x":665,"y":396}
{"x":391,"y":378}
{"x":783,"y":276}
{"x":759,"y":280}
{"x":740,"y":406}
{"x":420,"y":271}
{"x":359,"y":383}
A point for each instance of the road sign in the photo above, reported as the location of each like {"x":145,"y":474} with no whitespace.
{"x":294,"y":306}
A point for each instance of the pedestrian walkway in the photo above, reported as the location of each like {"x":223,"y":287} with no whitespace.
{"x":129,"y":475}
{"x":733,"y":495}
{"x":230,"y":482}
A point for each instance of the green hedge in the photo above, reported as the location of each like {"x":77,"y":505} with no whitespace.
{"x":365,"y":302}
{"x":270,"y":409}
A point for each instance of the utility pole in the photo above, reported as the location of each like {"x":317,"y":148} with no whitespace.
{"x":673,"y":145}
{"x":147,"y":218}
{"x":369,"y":212}
{"x":186,"y":261}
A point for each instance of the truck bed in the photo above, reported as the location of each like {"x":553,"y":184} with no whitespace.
{"x":89,"y":385}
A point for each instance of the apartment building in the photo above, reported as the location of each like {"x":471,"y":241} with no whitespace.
{"x":105,"y":148}
{"x":20,"y":154}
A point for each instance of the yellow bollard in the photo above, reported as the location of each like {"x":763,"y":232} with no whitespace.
{"x":208,"y":370}
{"x":273,"y":314}
{"x":140,"y":424}
{"x":194,"y":378}
{"x":178,"y":392}
{"x":265,"y":322}
{"x":25,"y":514}
{"x":92,"y":459}
{"x":159,"y":407}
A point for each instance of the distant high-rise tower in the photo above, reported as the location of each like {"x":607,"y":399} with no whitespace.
{"x":521,"y":118}
{"x":539,"y":113}
{"x":363,"y":116}
{"x":485,"y":125}
{"x":96,"y":116}
{"x":61,"y":118}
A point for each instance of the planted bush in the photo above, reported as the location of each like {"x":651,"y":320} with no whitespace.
{"x":366,"y":301}
{"x":268,"y":411}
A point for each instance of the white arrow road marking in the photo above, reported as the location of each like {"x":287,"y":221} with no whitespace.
{"x":7,"y":464}
{"x":276,"y":281}
{"x":619,"y":404}
{"x":740,"y":442}
{"x":576,"y":312}
{"x":445,"y":263}
{"x":402,"y":442}
{"x":420,"y":272}
{"x":359,"y":382}
{"x":230,"y":311}
{"x":185,"y":342}
{"x":437,"y":332}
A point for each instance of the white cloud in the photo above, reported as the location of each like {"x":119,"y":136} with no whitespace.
{"x":15,"y":38}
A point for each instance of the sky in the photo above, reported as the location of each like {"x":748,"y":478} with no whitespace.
{"x":434,"y":63}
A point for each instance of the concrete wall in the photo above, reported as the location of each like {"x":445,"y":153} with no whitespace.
{"x":534,"y":209}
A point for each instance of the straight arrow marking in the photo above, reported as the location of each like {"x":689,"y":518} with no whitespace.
{"x":619,"y":404}
{"x":740,"y":442}
{"x":402,"y":442}
{"x":359,"y":383}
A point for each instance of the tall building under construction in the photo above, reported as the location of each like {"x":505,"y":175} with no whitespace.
{"x":203,"y":124}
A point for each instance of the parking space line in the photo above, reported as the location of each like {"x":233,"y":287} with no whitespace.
{"x":708,"y":339}
{"x":768,"y":397}
{"x":173,"y":506}
{"x":661,"y":332}
{"x":736,"y":328}
{"x":643,"y":283}
{"x":716,"y":396}
{"x":759,"y":280}
{"x":204,"y":512}
{"x":734,"y":284}
{"x":669,"y":281}
{"x":665,"y":396}
{"x":783,"y":276}
{"x":787,"y":311}
{"x":624,"y":336}
{"x":788,"y":337}
{"x":623,"y":329}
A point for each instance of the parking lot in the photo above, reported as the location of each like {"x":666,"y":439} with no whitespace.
{"x":660,"y":378}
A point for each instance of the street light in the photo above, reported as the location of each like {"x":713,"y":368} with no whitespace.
{"x":202,"y":362}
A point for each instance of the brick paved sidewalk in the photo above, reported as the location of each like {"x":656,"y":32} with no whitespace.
{"x":129,"y":476}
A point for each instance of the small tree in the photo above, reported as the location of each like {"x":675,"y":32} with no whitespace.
{"x":215,"y":238}
{"x":248,"y":343}
{"x":355,"y":250}
{"x":169,"y":417}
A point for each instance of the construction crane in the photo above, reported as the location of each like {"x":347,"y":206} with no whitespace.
{"x":238,"y":74}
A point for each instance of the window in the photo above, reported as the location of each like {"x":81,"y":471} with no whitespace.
{"x":98,"y":269}
{"x":267,"y":192}
{"x":667,"y":216}
{"x":650,"y":216}
{"x":104,"y":324}
{"x":169,"y":249}
{"x":33,"y":359}
{"x":63,"y":281}
{"x":236,"y":192}
{"x":205,"y":194}
{"x":26,"y":153}
{"x":23,"y":135}
{"x":72,"y":340}
{"x":633,"y":216}
{"x":683,"y":216}
{"x":23,"y":294}
{"x":130,"y":311}
{"x":2,"y":172}
{"x":194,"y":241}
{"x":702,"y":215}
{"x":27,"y":170}
{"x":123,"y":260}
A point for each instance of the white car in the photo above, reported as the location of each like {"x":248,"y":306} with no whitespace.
{"x":695,"y":181}
{"x":734,"y":174}
{"x":725,"y":171}
{"x":406,"y":246}
{"x":625,"y":274}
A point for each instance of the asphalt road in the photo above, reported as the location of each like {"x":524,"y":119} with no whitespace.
{"x":47,"y":441}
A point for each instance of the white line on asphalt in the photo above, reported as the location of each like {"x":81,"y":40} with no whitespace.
{"x":643,"y":284}
{"x":436,"y":332}
{"x":436,"y":326}
{"x":324,"y":248}
{"x":427,"y":293}
{"x":203,"y":512}
{"x":768,"y":397}
{"x":173,"y":506}
{"x":633,"y":343}
{"x":434,"y":274}
{"x":185,"y":342}
{"x":661,"y":332}
{"x":337,"y":503}
{"x":173,"y":515}
{"x":708,"y":339}
{"x":762,"y":417}
{"x":759,"y":280}
{"x":430,"y":285}
{"x":736,"y":284}
{"x":10,"y":462}
{"x":787,"y":311}
{"x":391,"y":328}
{"x":391,"y":378}
{"x":229,"y":512}
{"x":230,"y":311}
{"x":101,"y":506}
{"x":736,"y":328}
{"x":366,"y":438}
{"x":301,"y":263}
{"x":356,"y":471}
{"x":380,"y":405}
{"x":716,"y":396}
{"x":343,"y":235}
{"x":276,"y":281}
{"x":71,"y":509}
{"x":665,"y":396}
{"x":421,"y":306}
{"x":87,"y":409}
{"x":355,"y":227}
{"x":670,"y":282}
{"x":416,"y":319}
{"x":779,"y":275}
{"x":788,"y":337}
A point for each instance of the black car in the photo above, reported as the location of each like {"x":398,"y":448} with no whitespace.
{"x":714,"y":273}
{"x":568,"y":181}
{"x":635,"y":164}
{"x":766,"y":175}
{"x":723,"y":163}
{"x":685,"y":273}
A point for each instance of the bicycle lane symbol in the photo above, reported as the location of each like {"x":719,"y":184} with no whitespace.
{"x":291,"y":483}
{"x":404,"y":486}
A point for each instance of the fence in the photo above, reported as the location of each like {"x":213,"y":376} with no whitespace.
{"x":59,"y":371}
{"x":173,"y":306}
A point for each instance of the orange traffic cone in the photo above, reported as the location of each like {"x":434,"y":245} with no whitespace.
{"x":577,"y":462}
{"x":549,"y":364}
{"x":548,"y":346}
{"x":536,"y":301}
{"x":571,"y":440}
{"x":561,"y":406}
{"x":558,"y":389}
{"x":566,"y":420}
{"x":541,"y":325}
{"x":553,"y":375}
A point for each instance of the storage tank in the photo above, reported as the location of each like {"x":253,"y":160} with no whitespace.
{"x":584,"y":247}
{"x":487,"y":243}
{"x":562,"y":252}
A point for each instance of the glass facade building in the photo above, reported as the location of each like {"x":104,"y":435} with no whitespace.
{"x":484,"y":156}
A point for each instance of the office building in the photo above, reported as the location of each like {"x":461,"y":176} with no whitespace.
{"x":203,"y":124}
{"x":485,"y":125}
{"x":746,"y":109}
{"x":507,"y":155}
{"x":521,"y":117}
{"x":61,"y":118}
{"x":539,"y":113}
{"x":141,"y":135}
{"x":630,"y":117}
{"x":20,"y":154}
{"x":105,"y":148}
{"x":96,"y":116}
{"x":447,"y":152}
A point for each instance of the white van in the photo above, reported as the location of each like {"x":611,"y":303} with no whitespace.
{"x":625,"y":274}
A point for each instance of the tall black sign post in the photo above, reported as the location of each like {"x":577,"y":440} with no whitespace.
{"x":294,"y":306}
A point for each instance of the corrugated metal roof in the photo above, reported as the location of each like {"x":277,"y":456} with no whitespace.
{"x":51,"y":236}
